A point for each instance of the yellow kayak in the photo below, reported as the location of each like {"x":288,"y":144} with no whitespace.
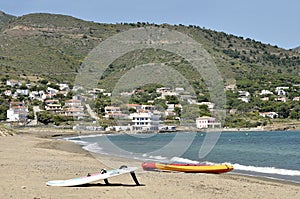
{"x":190,"y":168}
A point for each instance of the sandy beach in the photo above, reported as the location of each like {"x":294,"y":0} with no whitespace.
{"x":28,"y":161}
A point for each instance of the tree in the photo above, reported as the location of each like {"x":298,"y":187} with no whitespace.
{"x":204,"y":111}
{"x":45,"y":117}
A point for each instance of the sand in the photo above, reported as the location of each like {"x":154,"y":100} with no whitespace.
{"x":28,"y":161}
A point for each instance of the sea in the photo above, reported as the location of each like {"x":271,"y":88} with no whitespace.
{"x":268,"y":154}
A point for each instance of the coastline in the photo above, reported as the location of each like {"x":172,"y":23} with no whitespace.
{"x":31,"y":159}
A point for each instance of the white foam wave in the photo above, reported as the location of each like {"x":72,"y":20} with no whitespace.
{"x":93,"y":148}
{"x":183,"y":160}
{"x":80,"y":142}
{"x":267,"y":170}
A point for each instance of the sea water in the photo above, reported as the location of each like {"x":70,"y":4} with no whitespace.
{"x":274,"y":154}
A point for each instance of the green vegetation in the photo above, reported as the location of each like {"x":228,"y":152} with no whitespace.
{"x":45,"y":48}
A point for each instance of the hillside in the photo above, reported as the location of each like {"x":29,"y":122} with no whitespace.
{"x":54,"y":46}
{"x":5,"y":19}
{"x":297,"y":49}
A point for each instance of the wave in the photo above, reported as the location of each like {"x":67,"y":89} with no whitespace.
{"x":94,"y":148}
{"x":267,"y":170}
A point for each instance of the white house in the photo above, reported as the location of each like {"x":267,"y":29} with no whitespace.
{"x":296,"y":99}
{"x":64,"y":87}
{"x":17,"y":112}
{"x":281,"y":90}
{"x":280,"y":99}
{"x":244,"y":96}
{"x":13,"y":83}
{"x":266,"y":92}
{"x":22,"y":92}
{"x":8,"y":93}
{"x":269,"y":114}
{"x":206,"y":122}
{"x":145,"y":121}
{"x":52,"y":91}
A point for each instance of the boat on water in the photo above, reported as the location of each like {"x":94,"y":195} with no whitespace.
{"x":188,"y":168}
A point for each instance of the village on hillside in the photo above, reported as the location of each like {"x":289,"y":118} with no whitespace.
{"x":45,"y":103}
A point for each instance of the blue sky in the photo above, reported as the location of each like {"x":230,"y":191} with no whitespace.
{"x":269,"y":21}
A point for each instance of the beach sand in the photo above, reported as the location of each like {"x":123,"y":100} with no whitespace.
{"x":28,"y":161}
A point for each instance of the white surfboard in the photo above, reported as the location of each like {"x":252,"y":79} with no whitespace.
{"x":94,"y":177}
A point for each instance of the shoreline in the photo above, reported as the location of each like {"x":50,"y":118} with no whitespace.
{"x":35,"y":158}
{"x":52,"y":133}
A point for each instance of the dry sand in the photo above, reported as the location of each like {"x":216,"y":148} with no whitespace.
{"x":29,"y":161}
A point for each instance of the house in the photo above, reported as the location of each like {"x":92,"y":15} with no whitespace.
{"x":37,"y":95}
{"x":265,"y":99}
{"x":296,"y":99}
{"x":77,"y":113}
{"x":280,"y":99}
{"x":145,"y":121}
{"x":206,"y":122}
{"x":170,"y":113}
{"x":13,"y":83}
{"x":266,"y":92}
{"x":53,"y":106}
{"x":22,"y":92}
{"x":73,"y":103}
{"x":8,"y":93}
{"x":134,"y":106}
{"x":163,"y":90}
{"x":147,"y":108}
{"x":269,"y":114}
{"x":113,"y":112}
{"x":52,"y":91}
{"x":244,"y":96}
{"x":17,"y":112}
{"x":281,"y":90}
{"x":64,"y":87}
{"x":112,"y":109}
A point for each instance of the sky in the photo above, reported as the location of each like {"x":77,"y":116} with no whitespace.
{"x":269,"y":21}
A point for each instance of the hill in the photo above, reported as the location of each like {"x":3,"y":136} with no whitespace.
{"x":5,"y":18}
{"x":297,"y":49}
{"x":53,"y":47}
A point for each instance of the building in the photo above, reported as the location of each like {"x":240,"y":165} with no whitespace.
{"x":53,"y":105}
{"x":73,"y":103}
{"x":17,"y":112}
{"x":114,"y":112}
{"x":280,"y":99}
{"x":145,"y":121}
{"x":266,"y":92}
{"x":206,"y":122}
{"x":269,"y":114}
{"x":77,"y":113}
{"x":296,"y":99}
{"x":13,"y":83}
